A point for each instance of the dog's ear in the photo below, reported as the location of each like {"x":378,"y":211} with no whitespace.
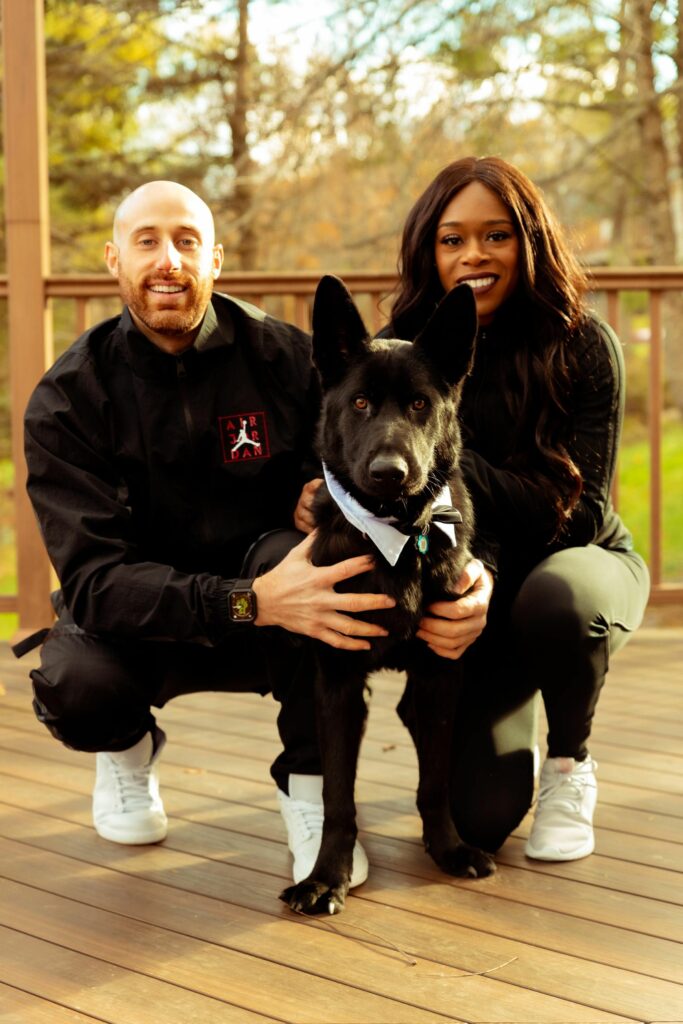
{"x":339,"y":333}
{"x":450,"y":333}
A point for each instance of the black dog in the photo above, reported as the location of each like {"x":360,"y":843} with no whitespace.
{"x":389,"y":438}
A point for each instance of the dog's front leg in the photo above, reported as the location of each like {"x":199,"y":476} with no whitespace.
{"x":341,"y":714}
{"x":434,"y":693}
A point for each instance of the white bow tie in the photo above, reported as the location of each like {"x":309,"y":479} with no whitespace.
{"x":381,"y":532}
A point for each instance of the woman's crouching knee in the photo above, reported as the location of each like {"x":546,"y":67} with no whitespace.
{"x":558,"y":605}
{"x":487,"y":807}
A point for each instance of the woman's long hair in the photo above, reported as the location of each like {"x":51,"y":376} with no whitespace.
{"x":544,"y":315}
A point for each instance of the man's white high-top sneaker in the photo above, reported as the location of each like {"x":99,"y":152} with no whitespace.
{"x":303,"y":813}
{"x":127,"y":807}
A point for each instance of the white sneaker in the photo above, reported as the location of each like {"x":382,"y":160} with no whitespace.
{"x":127,"y":807}
{"x":563,"y":825}
{"x":303,"y":813}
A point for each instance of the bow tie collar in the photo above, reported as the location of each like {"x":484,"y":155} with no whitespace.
{"x":388,"y":534}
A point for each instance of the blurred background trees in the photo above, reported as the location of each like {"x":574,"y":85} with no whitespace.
{"x":310,"y":127}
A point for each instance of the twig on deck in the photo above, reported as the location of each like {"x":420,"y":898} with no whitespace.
{"x":407,"y":957}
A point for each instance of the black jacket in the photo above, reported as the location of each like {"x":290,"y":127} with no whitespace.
{"x":151,"y":474}
{"x":514,"y":520}
{"x":508,"y":502}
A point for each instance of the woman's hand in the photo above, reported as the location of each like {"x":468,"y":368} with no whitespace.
{"x":303,"y":513}
{"x":451,"y":626}
{"x":300,"y":597}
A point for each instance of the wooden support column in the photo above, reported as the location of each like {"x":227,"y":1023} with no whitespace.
{"x":28,"y":264}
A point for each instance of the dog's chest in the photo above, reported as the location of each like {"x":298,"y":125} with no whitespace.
{"x":415,"y":581}
{"x":419,"y":577}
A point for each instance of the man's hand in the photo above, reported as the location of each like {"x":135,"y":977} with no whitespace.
{"x":451,"y":626}
{"x":303,"y":514}
{"x":300,"y":597}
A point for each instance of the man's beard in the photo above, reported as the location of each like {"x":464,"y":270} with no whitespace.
{"x":169,"y":322}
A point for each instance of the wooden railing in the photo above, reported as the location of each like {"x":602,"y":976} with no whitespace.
{"x":289,"y":295}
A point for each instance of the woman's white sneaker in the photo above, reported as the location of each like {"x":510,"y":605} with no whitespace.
{"x":303,"y":814}
{"x":126,"y":806}
{"x":563,"y":824}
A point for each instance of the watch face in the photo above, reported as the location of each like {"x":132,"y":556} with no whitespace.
{"x":242,"y":606}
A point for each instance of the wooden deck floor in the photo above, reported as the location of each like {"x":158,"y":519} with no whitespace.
{"x":192,"y":932}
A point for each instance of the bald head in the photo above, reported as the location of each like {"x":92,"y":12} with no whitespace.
{"x":165,"y":258}
{"x":165,"y":195}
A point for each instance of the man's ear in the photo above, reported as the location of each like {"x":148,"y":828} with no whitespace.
{"x":111,"y":258}
{"x":217,"y":263}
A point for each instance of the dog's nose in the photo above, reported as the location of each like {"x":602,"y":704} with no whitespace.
{"x":386,"y":469}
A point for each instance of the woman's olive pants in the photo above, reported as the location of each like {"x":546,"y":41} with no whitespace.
{"x":554,"y":637}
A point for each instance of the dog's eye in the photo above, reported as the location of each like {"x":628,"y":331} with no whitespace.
{"x":419,"y":404}
{"x":360,"y":402}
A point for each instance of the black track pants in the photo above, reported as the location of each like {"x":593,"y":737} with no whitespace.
{"x":95,"y":693}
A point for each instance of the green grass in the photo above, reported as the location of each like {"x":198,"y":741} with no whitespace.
{"x":634,"y":501}
{"x":634,"y":497}
{"x":8,"y":626}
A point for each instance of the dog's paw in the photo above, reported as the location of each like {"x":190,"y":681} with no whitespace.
{"x":465,"y":861}
{"x":311,"y":897}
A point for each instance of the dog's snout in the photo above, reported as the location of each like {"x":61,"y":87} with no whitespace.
{"x":388,"y":469}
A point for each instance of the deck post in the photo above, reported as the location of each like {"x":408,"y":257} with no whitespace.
{"x":28,"y":264}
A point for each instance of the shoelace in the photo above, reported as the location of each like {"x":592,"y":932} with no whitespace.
{"x":308,"y":819}
{"x":132,"y":786}
{"x":569,"y":786}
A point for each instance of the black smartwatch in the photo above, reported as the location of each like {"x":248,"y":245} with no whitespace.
{"x":242,"y":606}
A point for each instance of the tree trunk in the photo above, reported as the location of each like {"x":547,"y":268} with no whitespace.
{"x":243,"y":193}
{"x":653,"y":148}
{"x":620,"y":195}
{"x":677,"y":191}
{"x":674,"y":342}
{"x":659,"y":197}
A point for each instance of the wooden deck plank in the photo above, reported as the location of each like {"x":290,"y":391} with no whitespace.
{"x":106,"y":991}
{"x":371,"y":966}
{"x":650,"y":881}
{"x":224,"y":876}
{"x":172,"y":957}
{"x":379,"y":803}
{"x":643,"y":880}
{"x":229,"y":757}
{"x":571,"y":975}
{"x":88,"y":883}
{"x":197,"y":729}
{"x":599,"y":939}
{"x":629,"y":835}
{"x":17,"y":1007}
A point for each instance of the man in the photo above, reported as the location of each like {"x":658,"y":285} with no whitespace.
{"x":174,"y":540}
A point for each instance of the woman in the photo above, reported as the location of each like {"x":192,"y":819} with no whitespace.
{"x":541,"y":414}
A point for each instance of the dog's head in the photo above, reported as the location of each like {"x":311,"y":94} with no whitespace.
{"x":389,"y":427}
